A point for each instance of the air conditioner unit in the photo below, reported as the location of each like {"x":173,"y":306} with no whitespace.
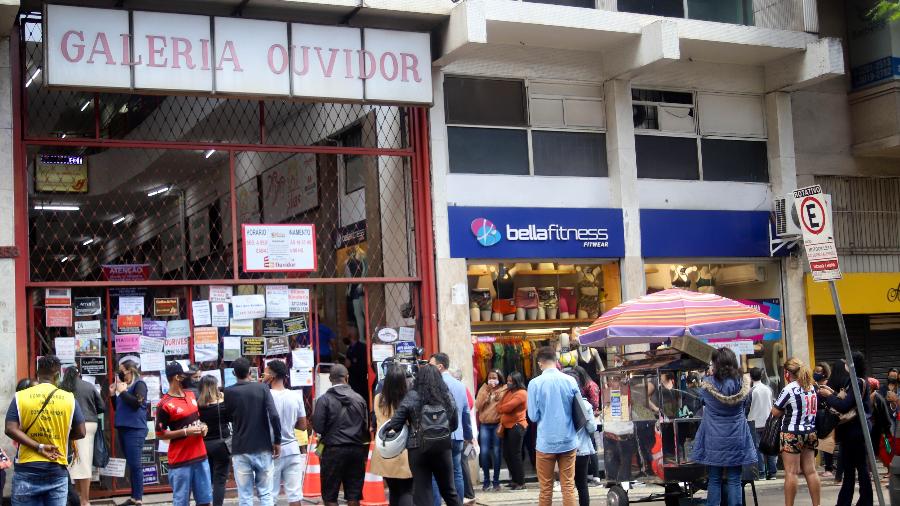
{"x":787,"y":223}
{"x":740,"y":274}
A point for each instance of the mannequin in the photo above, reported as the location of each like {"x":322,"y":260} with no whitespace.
{"x":589,"y":291}
{"x":549,"y":303}
{"x":356,"y":267}
{"x":503,"y":307}
{"x":706,"y":279}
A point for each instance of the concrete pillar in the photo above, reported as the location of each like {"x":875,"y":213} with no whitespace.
{"x":622,"y":161}
{"x":454,"y":327}
{"x":783,"y":175}
{"x":8,"y":295}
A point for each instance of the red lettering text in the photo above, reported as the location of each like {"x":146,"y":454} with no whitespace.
{"x":300,"y":70}
{"x":101,"y":46}
{"x":284,"y":59}
{"x":229,"y":54}
{"x":367,"y":67}
{"x":410,"y":63}
{"x":79,"y":48}
{"x":327,"y":70}
{"x":204,"y":52}
{"x":154,"y":51}
{"x":395,"y":68}
{"x":184,"y":52}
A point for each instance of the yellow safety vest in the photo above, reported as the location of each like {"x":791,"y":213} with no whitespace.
{"x":54,"y":425}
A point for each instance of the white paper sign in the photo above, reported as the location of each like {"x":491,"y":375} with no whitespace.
{"x":204,"y":352}
{"x":131,"y":305}
{"x":87,"y":327}
{"x":152,"y":344}
{"x":738,"y":346}
{"x":220,"y":316}
{"x":176,"y":346}
{"x":163,"y":446}
{"x":241,"y":327}
{"x":178,"y":328}
{"x":382,"y":351}
{"x":219,"y":293}
{"x":153,"y":385}
{"x":303,"y":358}
{"x":277,"y":301}
{"x":65,"y":349}
{"x":279,"y":248}
{"x":299,"y":300}
{"x":301,"y":377}
{"x":248,"y":307}
{"x":153,"y":362}
{"x":407,"y":333}
{"x":201,"y":313}
{"x":115,"y":468}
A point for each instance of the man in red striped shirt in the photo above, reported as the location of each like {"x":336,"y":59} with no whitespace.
{"x":178,"y":421}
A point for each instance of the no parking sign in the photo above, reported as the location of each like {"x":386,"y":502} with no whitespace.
{"x":818,"y":238}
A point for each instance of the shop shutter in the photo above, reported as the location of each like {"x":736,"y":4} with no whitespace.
{"x":883,"y":332}
{"x":827,"y":338}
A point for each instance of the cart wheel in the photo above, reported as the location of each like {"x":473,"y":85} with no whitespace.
{"x":674,"y":493}
{"x":617,"y":496}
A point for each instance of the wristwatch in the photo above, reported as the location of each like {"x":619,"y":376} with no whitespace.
{"x":40,"y":447}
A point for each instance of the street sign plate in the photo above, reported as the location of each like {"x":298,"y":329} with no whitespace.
{"x":813,"y":208}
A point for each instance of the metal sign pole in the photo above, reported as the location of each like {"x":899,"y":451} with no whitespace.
{"x":854,"y":384}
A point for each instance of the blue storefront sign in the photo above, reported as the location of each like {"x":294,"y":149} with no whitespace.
{"x":514,"y":232}
{"x":673,"y":233}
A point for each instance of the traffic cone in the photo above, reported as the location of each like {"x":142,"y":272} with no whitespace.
{"x":312,"y":483}
{"x":373,"y":487}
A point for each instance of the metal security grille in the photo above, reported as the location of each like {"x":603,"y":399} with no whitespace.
{"x":125,"y":194}
{"x":866,"y":213}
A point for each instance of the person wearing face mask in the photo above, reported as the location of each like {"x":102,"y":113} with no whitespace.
{"x":891,"y":390}
{"x":513,"y":421}
{"x":486,"y":403}
{"x":131,"y":405}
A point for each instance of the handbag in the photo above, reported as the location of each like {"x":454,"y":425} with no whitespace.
{"x":101,"y":450}
{"x":769,"y":441}
{"x":226,"y":440}
{"x":578,"y":418}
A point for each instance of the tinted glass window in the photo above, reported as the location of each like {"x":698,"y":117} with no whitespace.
{"x":724,"y":11}
{"x":666,"y":157}
{"x":488,"y":151}
{"x":572,"y":3}
{"x":485,"y":101}
{"x":730,"y":160}
{"x":671,"y":8}
{"x":569,"y":154}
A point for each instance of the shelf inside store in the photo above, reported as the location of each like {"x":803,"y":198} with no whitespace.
{"x":506,"y":326}
{"x":535,"y":272}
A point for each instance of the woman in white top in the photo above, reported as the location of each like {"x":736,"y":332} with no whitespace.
{"x":798,"y":403}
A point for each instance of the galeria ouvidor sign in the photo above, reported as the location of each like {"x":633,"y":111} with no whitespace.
{"x":818,"y":235}
{"x":134,"y":50}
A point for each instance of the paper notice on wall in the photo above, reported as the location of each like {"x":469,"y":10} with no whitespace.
{"x":201,"y":312}
{"x":128,"y":343}
{"x":220,"y":293}
{"x":299,"y":300}
{"x":380,"y":352}
{"x":163,"y":446}
{"x":241,"y":327}
{"x":87,"y":327}
{"x":152,"y":344}
{"x":155,"y":328}
{"x":59,"y":317}
{"x":178,"y":328}
{"x":407,"y":333}
{"x":229,"y":377}
{"x":738,"y":346}
{"x":278,"y":303}
{"x":301,"y":377}
{"x":65,"y":349}
{"x":153,"y":386}
{"x":220,"y":317}
{"x":459,"y":295}
{"x":176,"y":346}
{"x":153,"y":362}
{"x":277,"y":345}
{"x":129,"y":324}
{"x":253,"y":346}
{"x":115,"y":468}
{"x":206,"y":344}
{"x":248,"y":307}
{"x":303,"y":358}
{"x":88,"y":345}
{"x":231,"y":348}
{"x":131,"y":305}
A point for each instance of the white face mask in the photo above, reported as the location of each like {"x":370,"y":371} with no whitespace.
{"x":493,"y":382}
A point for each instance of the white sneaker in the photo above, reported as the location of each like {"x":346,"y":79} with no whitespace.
{"x":557,"y":487}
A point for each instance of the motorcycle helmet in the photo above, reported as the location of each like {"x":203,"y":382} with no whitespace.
{"x":390,"y":444}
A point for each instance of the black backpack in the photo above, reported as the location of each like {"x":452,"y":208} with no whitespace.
{"x":434,"y":424}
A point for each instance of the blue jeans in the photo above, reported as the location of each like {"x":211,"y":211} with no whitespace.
{"x":253,"y":470}
{"x":456,"y":449}
{"x":43,"y":490}
{"x":714,"y":491}
{"x":193,"y":477}
{"x":131,"y":441}
{"x":490,"y":452}
{"x":766,"y":465}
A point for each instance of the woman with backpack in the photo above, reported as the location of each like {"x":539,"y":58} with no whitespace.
{"x":430,"y":413}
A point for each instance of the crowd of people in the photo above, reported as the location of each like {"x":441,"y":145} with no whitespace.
{"x":250,"y":428}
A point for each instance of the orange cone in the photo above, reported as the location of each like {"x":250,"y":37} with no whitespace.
{"x":312,"y":483}
{"x":373,"y":487}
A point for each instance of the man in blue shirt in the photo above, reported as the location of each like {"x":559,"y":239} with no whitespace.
{"x":550,"y":406}
{"x":464,"y":427}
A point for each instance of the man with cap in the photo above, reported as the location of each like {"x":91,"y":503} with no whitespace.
{"x":178,"y":421}
{"x":341,"y":420}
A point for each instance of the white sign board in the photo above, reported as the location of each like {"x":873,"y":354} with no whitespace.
{"x":96,"y":48}
{"x":279,"y":248}
{"x":818,"y":238}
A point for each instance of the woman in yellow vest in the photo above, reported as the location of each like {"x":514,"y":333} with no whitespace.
{"x":43,"y":419}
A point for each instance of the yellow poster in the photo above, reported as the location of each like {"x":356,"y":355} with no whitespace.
{"x":61,"y":173}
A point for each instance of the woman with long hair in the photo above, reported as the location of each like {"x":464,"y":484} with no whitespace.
{"x":798,"y":403}
{"x":395,"y":471}
{"x":428,"y":457}
{"x":218,"y":435}
{"x":827,"y":446}
{"x":723,"y":441}
{"x":131,"y":404}
{"x":513,"y":423}
{"x":486,"y":403}
{"x":584,"y":438}
{"x":838,"y":395}
{"x":91,"y":404}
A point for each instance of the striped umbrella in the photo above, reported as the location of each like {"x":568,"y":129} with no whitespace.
{"x":657,"y":317}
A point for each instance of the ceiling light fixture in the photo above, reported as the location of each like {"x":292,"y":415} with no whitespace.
{"x":63,"y":136}
{"x":88,"y":242}
{"x":209,"y":153}
{"x":64,"y":259}
{"x":153,"y":193}
{"x":118,"y":220}
{"x":33,"y":76}
{"x":56,"y":208}
{"x":85,"y":106}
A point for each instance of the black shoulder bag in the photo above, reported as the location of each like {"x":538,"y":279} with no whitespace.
{"x":226,"y":440}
